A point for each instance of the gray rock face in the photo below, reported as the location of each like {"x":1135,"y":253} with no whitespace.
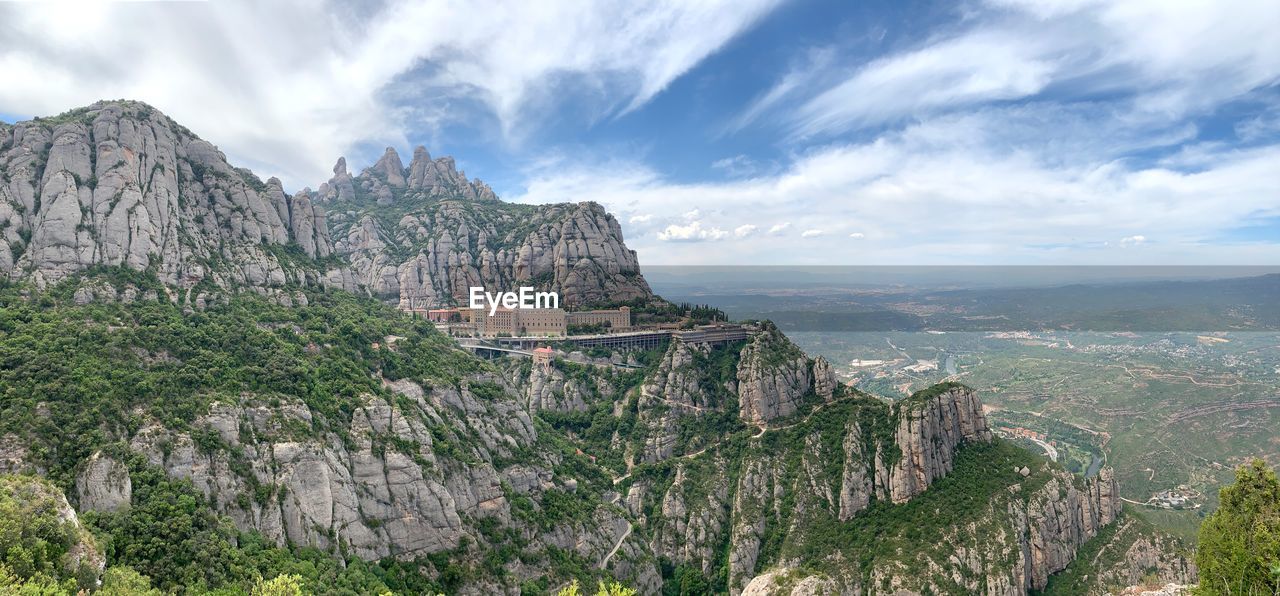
{"x":1139,"y":553}
{"x":340,"y":187}
{"x":689,"y":530}
{"x":779,"y":582}
{"x":104,"y":485}
{"x":550,"y":389}
{"x":773,"y":378}
{"x":380,"y":501}
{"x":452,"y":245}
{"x":928,"y":433}
{"x":118,"y":183}
{"x":386,"y":490}
{"x":824,"y":379}
{"x":390,"y":168}
{"x":1012,"y":549}
{"x":671,"y":393}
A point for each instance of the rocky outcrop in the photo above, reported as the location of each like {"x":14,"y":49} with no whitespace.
{"x":672,"y":392}
{"x":1170,"y":589}
{"x":104,"y":485}
{"x":339,"y":188}
{"x":693,"y":517}
{"x":380,"y":501}
{"x":309,"y":227}
{"x":773,"y":378}
{"x":440,"y":178}
{"x":548,"y":388}
{"x":118,"y":183}
{"x":1026,"y":533}
{"x":1060,"y":518}
{"x":825,"y":381}
{"x":792,"y":583}
{"x":931,"y":425}
{"x":433,"y":255}
{"x":1135,"y":556}
{"x":1150,"y":554}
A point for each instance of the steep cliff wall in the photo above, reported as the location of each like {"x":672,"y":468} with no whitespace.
{"x":1131,"y":552}
{"x":430,"y":253}
{"x":118,"y":183}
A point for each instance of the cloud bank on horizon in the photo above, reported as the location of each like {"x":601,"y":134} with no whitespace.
{"x":756,"y":131}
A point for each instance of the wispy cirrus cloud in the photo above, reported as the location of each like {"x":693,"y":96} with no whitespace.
{"x":1168,"y":59}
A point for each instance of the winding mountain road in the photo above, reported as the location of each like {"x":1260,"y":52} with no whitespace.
{"x":605,"y":560}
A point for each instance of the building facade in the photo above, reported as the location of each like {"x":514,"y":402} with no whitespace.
{"x":539,"y":322}
{"x":616,"y":320}
{"x":515,"y":322}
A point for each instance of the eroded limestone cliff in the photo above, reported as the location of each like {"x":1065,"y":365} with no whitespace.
{"x":120,"y":184}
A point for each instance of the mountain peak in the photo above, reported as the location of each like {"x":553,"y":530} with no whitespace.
{"x":390,"y":168}
{"x":118,"y":183}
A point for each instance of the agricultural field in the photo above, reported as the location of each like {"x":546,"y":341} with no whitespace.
{"x":1173,"y":413}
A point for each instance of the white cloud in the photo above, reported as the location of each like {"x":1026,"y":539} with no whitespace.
{"x":744,"y":230}
{"x":738,"y":165}
{"x":640,"y":219}
{"x":692,"y":232}
{"x":1171,"y":58}
{"x":692,"y":215}
{"x":974,"y":68}
{"x":816,"y":63}
{"x":811,"y":233}
{"x":1128,"y":241}
{"x":286,"y":87}
{"x":857,"y":235}
{"x":978,"y":188}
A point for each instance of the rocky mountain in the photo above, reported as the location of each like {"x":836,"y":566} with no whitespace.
{"x":1131,"y":557}
{"x":420,"y":236}
{"x":306,"y":420}
{"x":342,"y":426}
{"x":120,"y":184}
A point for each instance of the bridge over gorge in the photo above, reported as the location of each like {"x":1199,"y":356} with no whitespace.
{"x":488,"y":349}
{"x":645,"y":340}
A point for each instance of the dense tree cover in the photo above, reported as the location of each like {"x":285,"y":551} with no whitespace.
{"x":885,"y":530}
{"x":1238,"y":551}
{"x":36,"y":540}
{"x":171,"y":535}
{"x":170,"y":540}
{"x":604,"y":589}
{"x":76,"y":377}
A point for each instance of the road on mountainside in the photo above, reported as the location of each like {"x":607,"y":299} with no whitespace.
{"x":605,"y":560}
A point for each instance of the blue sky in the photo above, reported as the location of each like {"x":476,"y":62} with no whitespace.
{"x":754,"y":131}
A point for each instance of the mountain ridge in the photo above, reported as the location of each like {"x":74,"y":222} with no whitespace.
{"x":119,"y":183}
{"x":255,"y":369}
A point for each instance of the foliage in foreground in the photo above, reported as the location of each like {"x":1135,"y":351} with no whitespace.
{"x":605,"y":589}
{"x":1239,"y":546}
